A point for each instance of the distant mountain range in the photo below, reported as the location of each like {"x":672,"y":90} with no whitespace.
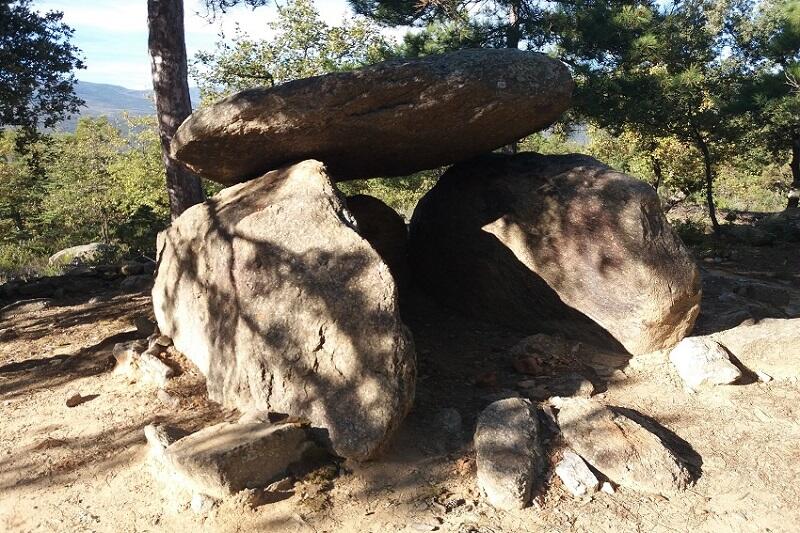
{"x":113,"y":100}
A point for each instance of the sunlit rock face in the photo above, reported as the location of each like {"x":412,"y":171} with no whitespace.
{"x":271,"y":291}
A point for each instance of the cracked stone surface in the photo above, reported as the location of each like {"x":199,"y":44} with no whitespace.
{"x":389,"y":119}
{"x":271,"y":291}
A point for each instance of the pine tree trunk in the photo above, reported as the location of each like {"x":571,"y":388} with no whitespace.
{"x":709,"y":177}
{"x":794,"y":192}
{"x":171,"y":89}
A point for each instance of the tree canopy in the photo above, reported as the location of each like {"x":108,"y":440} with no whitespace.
{"x":37,"y":64}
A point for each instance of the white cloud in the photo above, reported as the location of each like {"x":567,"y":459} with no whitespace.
{"x":109,"y":32}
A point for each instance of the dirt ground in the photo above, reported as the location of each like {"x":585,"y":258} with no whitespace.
{"x":86,"y":468}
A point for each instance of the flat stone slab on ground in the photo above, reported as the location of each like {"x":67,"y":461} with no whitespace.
{"x":224,"y":459}
{"x":388,"y":119}
{"x":621,"y":449}
{"x":508,"y":453}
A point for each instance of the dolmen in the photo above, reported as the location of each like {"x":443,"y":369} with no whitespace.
{"x":286,"y":294}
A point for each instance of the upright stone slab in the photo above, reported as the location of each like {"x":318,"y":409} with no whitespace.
{"x":388,"y":119}
{"x":508,"y":452}
{"x":283,"y":306}
{"x":542,"y":243}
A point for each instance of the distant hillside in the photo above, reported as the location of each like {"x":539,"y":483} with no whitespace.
{"x":113,"y":101}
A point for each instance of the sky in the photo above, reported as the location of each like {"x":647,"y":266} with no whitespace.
{"x":112,"y":34}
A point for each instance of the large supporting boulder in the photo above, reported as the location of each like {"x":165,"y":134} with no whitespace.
{"x":389,"y":119}
{"x":269,"y":289}
{"x":386,"y":231}
{"x":540,"y":243}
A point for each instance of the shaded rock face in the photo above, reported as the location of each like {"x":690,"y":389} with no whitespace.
{"x":283,"y":306}
{"x":544,"y":243}
{"x":389,"y":119}
{"x":386,"y":231}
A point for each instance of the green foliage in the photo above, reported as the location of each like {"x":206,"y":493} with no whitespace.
{"x":36,"y":64}
{"x":94,"y":184}
{"x":401,"y":194}
{"x":303,"y":45}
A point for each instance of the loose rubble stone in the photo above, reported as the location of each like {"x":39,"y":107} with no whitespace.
{"x":153,"y":370}
{"x":163,"y":341}
{"x":224,"y":459}
{"x":283,"y":485}
{"x":144,"y":326}
{"x":126,"y":355}
{"x":389,"y":119}
{"x":254,"y":415}
{"x":25,"y":306}
{"x":702,"y":361}
{"x":269,"y":289}
{"x":621,"y":449}
{"x":774,"y":295}
{"x":576,"y":475}
{"x":566,"y":385}
{"x":131,"y":269}
{"x":161,"y":436}
{"x":74,"y":398}
{"x":168,"y":399}
{"x":550,"y":242}
{"x":139,"y":283}
{"x":608,"y":488}
{"x":202,"y":504}
{"x":508,"y":452}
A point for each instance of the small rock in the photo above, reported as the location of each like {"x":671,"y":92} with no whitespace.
{"x":701,"y":361}
{"x":223,"y":459}
{"x":608,"y":488}
{"x":507,"y":452}
{"x":144,"y":325}
{"x":255,"y":416}
{"x":423,"y":526}
{"x":168,"y":399}
{"x":131,"y":269}
{"x":620,"y":448}
{"x":163,"y":341}
{"x":153,"y":370}
{"x":202,"y":504}
{"x":74,"y":398}
{"x":566,"y":385}
{"x":138,"y":283}
{"x":284,"y":485}
{"x":160,"y":436}
{"x":763,"y":376}
{"x":127,"y":354}
{"x":576,"y":475}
